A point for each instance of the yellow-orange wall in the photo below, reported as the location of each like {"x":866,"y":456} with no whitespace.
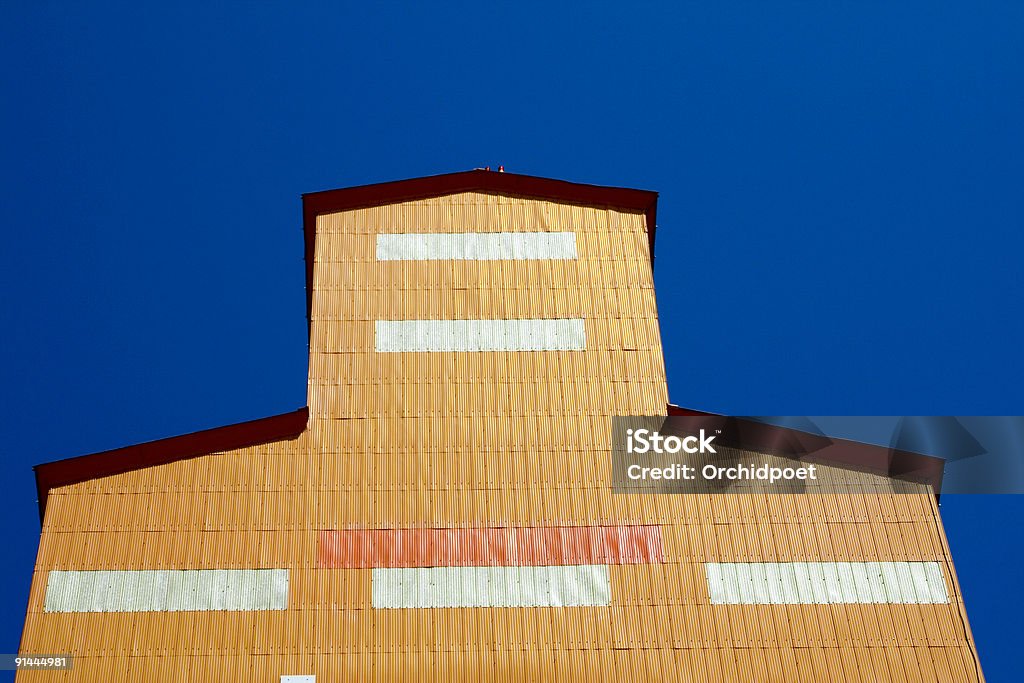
{"x":480,"y":439}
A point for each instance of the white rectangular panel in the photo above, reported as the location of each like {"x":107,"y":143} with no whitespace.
{"x":549,"y":586}
{"x":825,"y":583}
{"x":563,"y":334}
{"x":476,"y":246}
{"x":167,"y":590}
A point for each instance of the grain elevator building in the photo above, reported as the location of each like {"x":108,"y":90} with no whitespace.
{"x":441,"y":509}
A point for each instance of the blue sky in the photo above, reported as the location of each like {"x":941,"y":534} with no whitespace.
{"x":840,"y":223}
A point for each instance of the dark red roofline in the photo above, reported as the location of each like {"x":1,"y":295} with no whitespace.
{"x":511,"y":184}
{"x":855,"y":455}
{"x":164,"y":451}
{"x":757,"y":436}
{"x":290,"y":425}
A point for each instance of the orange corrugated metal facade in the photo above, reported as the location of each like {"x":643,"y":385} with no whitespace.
{"x":454,"y":440}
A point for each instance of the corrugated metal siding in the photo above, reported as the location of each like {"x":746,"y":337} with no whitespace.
{"x":472,"y":246}
{"x":825,"y":583}
{"x":494,"y":546}
{"x":440,"y":336}
{"x":438,"y":587}
{"x":201,"y":590}
{"x":463,"y":441}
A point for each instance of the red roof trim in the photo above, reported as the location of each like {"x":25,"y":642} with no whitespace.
{"x":164,"y":451}
{"x":853,"y":455}
{"x":290,"y":425}
{"x":512,"y":184}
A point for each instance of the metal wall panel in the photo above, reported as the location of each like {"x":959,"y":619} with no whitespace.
{"x":395,"y":336}
{"x":167,"y":590}
{"x":435,"y":587}
{"x":474,"y":246}
{"x":495,"y":546}
{"x":824,"y":583}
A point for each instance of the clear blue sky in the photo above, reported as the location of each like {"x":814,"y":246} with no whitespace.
{"x":840,"y":224}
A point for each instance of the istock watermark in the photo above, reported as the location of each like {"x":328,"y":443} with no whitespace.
{"x":646,"y":441}
{"x":643,"y":441}
{"x":719,"y":454}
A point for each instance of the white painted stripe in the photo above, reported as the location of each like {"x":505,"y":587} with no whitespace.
{"x":167,"y":590}
{"x":567,"y":334}
{"x":550,"y":586}
{"x":825,"y":583}
{"x":476,"y":246}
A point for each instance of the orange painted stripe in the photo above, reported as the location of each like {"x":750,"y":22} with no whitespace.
{"x":497,"y":546}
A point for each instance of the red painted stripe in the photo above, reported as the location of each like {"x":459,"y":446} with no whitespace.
{"x":498,"y":546}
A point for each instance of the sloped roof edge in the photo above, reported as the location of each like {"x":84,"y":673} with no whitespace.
{"x":74,"y":470}
{"x":839,"y":452}
{"x":512,"y":184}
{"x":853,"y":455}
{"x":290,"y":425}
{"x":164,"y":451}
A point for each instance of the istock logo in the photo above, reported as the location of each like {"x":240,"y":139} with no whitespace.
{"x":646,"y":441}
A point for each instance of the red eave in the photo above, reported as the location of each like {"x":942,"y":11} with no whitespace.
{"x":511,"y":184}
{"x":290,"y":425}
{"x":164,"y":451}
{"x":853,"y":455}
